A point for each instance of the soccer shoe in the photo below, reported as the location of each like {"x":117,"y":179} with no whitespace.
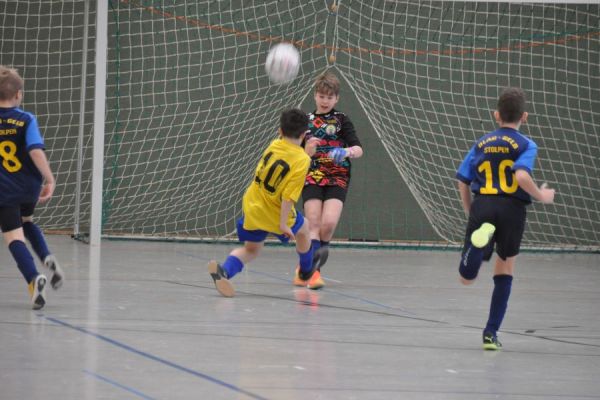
{"x":37,"y":289}
{"x":315,"y":282}
{"x":297,"y":281}
{"x":302,"y":279}
{"x":481,"y":237}
{"x":219,"y":276}
{"x":58,"y":276}
{"x":491,"y":342}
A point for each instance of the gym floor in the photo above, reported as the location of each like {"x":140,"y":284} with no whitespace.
{"x":143,"y":320}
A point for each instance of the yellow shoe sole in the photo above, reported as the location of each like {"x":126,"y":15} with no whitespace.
{"x":223,"y":285}
{"x":481,"y":237}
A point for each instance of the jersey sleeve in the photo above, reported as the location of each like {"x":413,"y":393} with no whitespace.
{"x":526,"y":160}
{"x":465,"y":172}
{"x":33,"y":137}
{"x":294,"y":186}
{"x":350,"y":136}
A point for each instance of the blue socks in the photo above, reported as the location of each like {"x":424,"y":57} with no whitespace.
{"x":502,"y":286}
{"x":36,"y":238}
{"x":470,"y":262}
{"x":232,"y":266}
{"x":316,"y":244}
{"x":24,"y":260}
{"x":306,"y":260}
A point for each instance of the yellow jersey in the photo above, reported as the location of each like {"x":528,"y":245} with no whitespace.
{"x":279,"y":176}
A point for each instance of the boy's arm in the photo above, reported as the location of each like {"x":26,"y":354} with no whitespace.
{"x":542,"y":194}
{"x":354,"y":151}
{"x":286,"y":207}
{"x":465,"y":176}
{"x":38,"y":156}
{"x":310,"y":146}
{"x":522,"y":169}
{"x":465,"y":196}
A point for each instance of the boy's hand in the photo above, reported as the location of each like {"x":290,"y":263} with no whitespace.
{"x":338,"y":155}
{"x":547,"y":194}
{"x":47,"y":191}
{"x":287,"y":232}
{"x":310,"y":147}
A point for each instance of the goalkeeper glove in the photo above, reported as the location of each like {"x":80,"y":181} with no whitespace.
{"x":338,"y":155}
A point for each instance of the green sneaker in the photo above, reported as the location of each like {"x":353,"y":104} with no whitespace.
{"x":481,"y":237}
{"x":491,"y":342}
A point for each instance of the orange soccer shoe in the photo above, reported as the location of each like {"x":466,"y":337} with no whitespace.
{"x":316,"y":282}
{"x":297,"y":281}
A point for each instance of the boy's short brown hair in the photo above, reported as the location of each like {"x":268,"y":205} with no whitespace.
{"x":511,"y":104}
{"x":327,"y":83}
{"x":293,"y":122}
{"x":10,"y":83}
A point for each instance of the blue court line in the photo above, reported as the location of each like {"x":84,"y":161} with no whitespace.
{"x":157,"y":359}
{"x":117,"y":384}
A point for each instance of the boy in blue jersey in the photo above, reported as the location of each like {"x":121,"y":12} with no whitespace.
{"x":268,"y":204}
{"x":25,"y":179}
{"x":497,"y":170}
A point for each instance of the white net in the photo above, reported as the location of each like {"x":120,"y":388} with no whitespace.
{"x":433,"y":72}
{"x":189,"y":106}
{"x":44,"y":41}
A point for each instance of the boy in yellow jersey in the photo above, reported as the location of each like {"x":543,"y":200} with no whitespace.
{"x":268,"y":204}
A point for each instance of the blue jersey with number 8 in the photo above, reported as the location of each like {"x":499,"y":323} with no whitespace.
{"x":490,"y":165}
{"x":20,"y":180}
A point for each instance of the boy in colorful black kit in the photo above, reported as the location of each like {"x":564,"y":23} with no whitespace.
{"x":497,"y":169}
{"x":329,"y":174}
{"x":268,"y":204}
{"x":25,"y":179}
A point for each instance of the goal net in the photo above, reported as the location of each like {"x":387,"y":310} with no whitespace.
{"x":189,"y":106}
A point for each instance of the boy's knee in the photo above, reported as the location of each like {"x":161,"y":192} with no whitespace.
{"x":467,"y":275}
{"x":467,"y":282}
{"x":252,"y":249}
{"x":328,"y":226}
{"x":27,"y":219}
{"x":313,"y":226}
{"x":305,"y":228}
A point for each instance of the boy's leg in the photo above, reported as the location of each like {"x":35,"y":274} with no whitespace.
{"x":332,"y":211}
{"x":312,"y":195}
{"x":38,"y":242}
{"x":503,"y":276}
{"x":479,"y":242}
{"x":306,"y":272}
{"x":509,"y":232}
{"x":234,"y":263}
{"x":10,"y":220}
{"x":221,"y":274}
{"x":312,"y":212}
{"x":33,"y":232}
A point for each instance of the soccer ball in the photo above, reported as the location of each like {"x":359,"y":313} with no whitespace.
{"x":283,"y":63}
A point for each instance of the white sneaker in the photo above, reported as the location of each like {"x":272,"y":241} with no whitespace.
{"x":37,"y":290}
{"x":58,"y":276}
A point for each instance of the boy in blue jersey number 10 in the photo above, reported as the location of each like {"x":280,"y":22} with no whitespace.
{"x":497,"y":170}
{"x":25,"y":179}
{"x":268,"y":204}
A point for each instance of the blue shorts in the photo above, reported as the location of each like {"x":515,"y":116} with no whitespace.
{"x":260,"y":235}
